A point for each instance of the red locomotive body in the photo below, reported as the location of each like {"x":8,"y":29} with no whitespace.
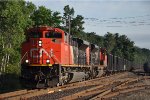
{"x":51,"y":56}
{"x":46,"y":46}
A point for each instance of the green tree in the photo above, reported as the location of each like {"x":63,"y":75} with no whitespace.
{"x":141,"y":56}
{"x":109,"y":41}
{"x":56,"y":19}
{"x":95,"y":39}
{"x":67,"y":17}
{"x":44,"y":16}
{"x":14,"y":19}
{"x":127,"y":47}
{"x":68,"y":12}
{"x":75,"y":23}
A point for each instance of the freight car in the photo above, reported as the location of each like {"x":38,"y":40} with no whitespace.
{"x":146,"y":67}
{"x":52,"y":57}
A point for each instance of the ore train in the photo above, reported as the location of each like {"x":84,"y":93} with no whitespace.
{"x":52,"y":57}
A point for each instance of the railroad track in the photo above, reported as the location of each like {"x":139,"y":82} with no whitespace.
{"x":121,"y":89}
{"x":90,"y":89}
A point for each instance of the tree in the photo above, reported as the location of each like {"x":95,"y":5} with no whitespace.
{"x":68,"y":12}
{"x":95,"y":39}
{"x":15,"y":16}
{"x":76,"y":24}
{"x":109,"y":41}
{"x":67,"y":17}
{"x":44,"y":16}
{"x":119,"y":45}
{"x":56,"y":19}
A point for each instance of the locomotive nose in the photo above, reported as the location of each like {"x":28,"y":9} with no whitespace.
{"x":40,"y":52}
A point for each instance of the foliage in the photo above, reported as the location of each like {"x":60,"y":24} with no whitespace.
{"x":56,"y":19}
{"x":95,"y":39}
{"x":44,"y":16}
{"x":68,"y":12}
{"x":141,"y":55}
{"x":14,"y":19}
{"x":109,"y":41}
{"x":119,"y":45}
{"x":76,"y":24}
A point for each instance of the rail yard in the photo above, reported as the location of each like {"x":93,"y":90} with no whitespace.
{"x":114,"y":86}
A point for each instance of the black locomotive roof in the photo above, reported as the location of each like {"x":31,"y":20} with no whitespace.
{"x":82,"y":44}
{"x":94,"y":47}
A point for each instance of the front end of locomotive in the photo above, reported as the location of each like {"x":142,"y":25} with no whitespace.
{"x":40,"y":57}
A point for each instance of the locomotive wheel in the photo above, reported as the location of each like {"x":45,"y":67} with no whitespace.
{"x":41,"y":84}
{"x":52,"y":82}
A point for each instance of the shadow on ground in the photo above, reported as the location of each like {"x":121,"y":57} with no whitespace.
{"x":9,"y":82}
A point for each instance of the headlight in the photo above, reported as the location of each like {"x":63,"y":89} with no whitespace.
{"x":48,"y":61}
{"x":27,"y":61}
{"x":40,"y":43}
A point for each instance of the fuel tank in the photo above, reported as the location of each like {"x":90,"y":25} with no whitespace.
{"x":77,"y":76}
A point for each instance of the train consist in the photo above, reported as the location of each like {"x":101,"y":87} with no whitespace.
{"x":52,"y":57}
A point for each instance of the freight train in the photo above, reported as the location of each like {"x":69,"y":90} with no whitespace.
{"x":52,"y":57}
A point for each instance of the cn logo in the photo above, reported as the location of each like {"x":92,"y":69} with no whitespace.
{"x":39,"y":53}
{"x":32,"y":53}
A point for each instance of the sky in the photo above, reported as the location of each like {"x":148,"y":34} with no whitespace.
{"x":126,"y":17}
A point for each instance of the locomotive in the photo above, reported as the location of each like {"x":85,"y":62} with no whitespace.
{"x":52,"y":57}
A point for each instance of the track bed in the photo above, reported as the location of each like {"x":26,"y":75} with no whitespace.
{"x":108,"y":87}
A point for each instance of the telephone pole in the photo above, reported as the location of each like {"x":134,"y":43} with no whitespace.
{"x":69,"y":20}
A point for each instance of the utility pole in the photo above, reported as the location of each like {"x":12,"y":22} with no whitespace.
{"x":69,"y":26}
{"x":69,"y":20}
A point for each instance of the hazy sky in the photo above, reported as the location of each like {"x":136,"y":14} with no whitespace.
{"x":128,"y":17}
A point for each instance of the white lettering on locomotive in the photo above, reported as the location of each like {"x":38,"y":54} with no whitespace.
{"x":41,"y":51}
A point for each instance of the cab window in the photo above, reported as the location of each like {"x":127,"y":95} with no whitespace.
{"x":53,"y":35}
{"x":35,"y":35}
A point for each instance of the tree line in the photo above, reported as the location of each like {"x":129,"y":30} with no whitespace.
{"x":18,"y":15}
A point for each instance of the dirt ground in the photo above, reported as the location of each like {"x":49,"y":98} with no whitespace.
{"x":143,"y":94}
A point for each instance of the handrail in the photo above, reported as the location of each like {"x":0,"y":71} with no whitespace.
{"x":22,"y":58}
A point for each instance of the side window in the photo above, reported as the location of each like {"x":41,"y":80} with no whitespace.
{"x":47,"y":35}
{"x":53,"y":35}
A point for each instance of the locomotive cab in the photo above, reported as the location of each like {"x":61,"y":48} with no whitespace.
{"x":41,"y":53}
{"x":40,"y":45}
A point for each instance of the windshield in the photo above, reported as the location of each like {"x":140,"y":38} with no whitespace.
{"x":53,"y":35}
{"x":35,"y":35}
